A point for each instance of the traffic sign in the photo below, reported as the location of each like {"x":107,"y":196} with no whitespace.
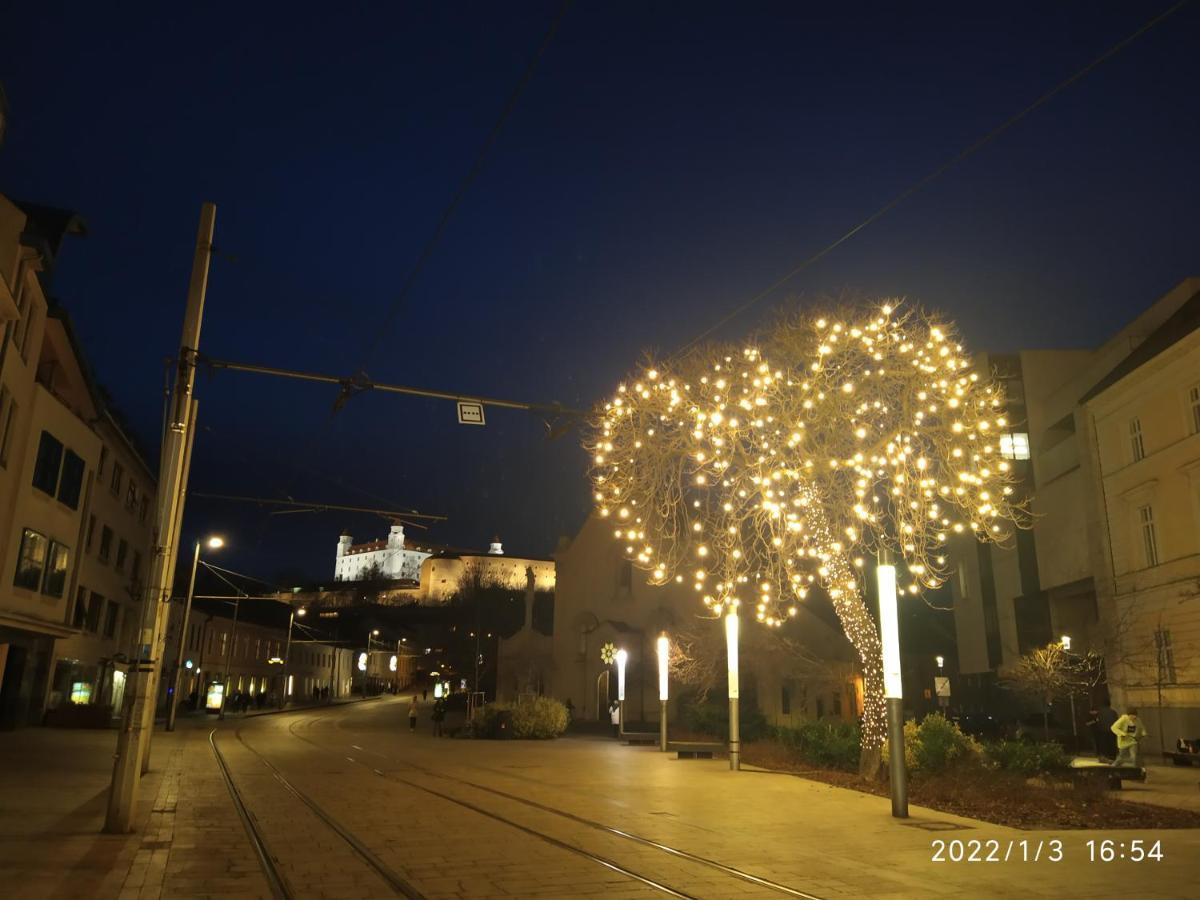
{"x":470,"y":413}
{"x":941,"y":684}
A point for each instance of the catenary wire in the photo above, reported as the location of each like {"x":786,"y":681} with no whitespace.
{"x":922,"y":183}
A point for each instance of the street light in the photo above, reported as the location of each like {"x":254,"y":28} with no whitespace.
{"x":1065,"y":640}
{"x":622,"y":658}
{"x":941,"y":661}
{"x":731,"y":653}
{"x":664,"y":647}
{"x":287,"y":654}
{"x":893,"y":691}
{"x":374,"y":632}
{"x":213,"y":543}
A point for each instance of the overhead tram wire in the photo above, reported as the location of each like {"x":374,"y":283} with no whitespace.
{"x":924,"y":182}
{"x":302,"y":506}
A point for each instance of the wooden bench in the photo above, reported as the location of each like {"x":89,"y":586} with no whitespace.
{"x":695,"y":749}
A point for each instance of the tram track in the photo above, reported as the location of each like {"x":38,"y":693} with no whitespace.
{"x":676,"y":853}
{"x":269,"y":860}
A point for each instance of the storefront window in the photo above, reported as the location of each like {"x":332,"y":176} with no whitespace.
{"x":81,"y":692}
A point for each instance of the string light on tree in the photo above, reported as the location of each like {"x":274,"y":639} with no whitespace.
{"x":762,"y":473}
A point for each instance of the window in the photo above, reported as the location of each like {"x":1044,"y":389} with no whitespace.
{"x":71,"y":485}
{"x":80,"y":618}
{"x":47,"y":464}
{"x":785,"y":701}
{"x":1193,"y":406}
{"x":1136,"y":446}
{"x":95,"y":608}
{"x":1015,"y":445}
{"x":103,"y":462}
{"x":111,"y":614}
{"x":106,"y":536}
{"x":56,"y":569}
{"x":1149,"y":535}
{"x":8,"y":412}
{"x":145,"y":510}
{"x":1165,"y":655}
{"x":131,"y":496}
{"x":122,"y":552}
{"x":31,"y":560}
{"x":90,"y":535}
{"x":117,"y":475}
{"x":135,"y":571}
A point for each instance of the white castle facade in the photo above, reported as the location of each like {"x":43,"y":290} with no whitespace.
{"x":395,"y":559}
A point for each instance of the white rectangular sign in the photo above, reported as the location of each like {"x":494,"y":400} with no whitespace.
{"x":470,"y":413}
{"x":941,"y":685}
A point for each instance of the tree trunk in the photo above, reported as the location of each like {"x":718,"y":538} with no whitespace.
{"x":859,"y":627}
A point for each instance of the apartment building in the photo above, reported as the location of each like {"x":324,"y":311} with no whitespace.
{"x":65,"y":610}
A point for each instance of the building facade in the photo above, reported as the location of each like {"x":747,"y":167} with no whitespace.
{"x":442,"y":574}
{"x":67,"y":609}
{"x":393,"y":557}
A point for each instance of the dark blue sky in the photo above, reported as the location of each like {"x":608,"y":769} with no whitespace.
{"x":665,"y":163}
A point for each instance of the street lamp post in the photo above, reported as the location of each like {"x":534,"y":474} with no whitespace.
{"x":731,"y":653}
{"x":287,"y":653}
{"x":664,"y":647}
{"x":214,"y":543}
{"x":374,"y":632}
{"x":622,"y":659}
{"x":1065,"y":640}
{"x":889,"y":633}
{"x":237,"y":607}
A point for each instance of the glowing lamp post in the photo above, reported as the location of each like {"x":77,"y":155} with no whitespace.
{"x":1065,"y":640}
{"x":663,"y":647}
{"x":889,"y":633}
{"x":213,"y":543}
{"x":731,"y":652}
{"x":287,"y":653}
{"x":622,"y":658}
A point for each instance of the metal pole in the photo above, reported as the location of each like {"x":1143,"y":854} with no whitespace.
{"x":731,"y":653}
{"x":889,"y":636}
{"x":287,"y":657}
{"x":187,"y":611}
{"x":132,"y":739}
{"x":237,"y":606}
{"x":662,"y":725}
{"x":898,"y":771}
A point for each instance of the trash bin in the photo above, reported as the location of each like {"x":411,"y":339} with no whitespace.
{"x":504,"y":724}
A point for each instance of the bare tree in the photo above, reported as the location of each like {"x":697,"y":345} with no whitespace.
{"x":1050,"y":673}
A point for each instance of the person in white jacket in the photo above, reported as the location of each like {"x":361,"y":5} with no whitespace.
{"x":1129,"y":730}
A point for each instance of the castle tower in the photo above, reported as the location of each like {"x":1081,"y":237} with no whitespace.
{"x":344,"y":542}
{"x":396,"y":537}
{"x":496,"y":549}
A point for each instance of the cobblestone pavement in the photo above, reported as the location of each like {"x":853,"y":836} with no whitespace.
{"x":447,"y":816}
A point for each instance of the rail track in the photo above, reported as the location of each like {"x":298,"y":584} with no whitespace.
{"x":645,"y":878}
{"x":269,"y":859}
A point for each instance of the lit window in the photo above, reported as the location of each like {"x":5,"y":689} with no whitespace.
{"x":1149,"y":535}
{"x":1136,"y":446}
{"x":1165,"y":656}
{"x":1015,"y":445}
{"x":32,"y":560}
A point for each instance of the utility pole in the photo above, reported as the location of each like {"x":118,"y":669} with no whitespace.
{"x":173,"y":700}
{"x":133,"y":738}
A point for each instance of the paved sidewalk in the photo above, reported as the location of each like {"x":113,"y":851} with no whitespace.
{"x":53,"y":797}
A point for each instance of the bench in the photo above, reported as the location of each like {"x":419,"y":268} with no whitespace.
{"x":695,"y":749}
{"x":1182,"y":757}
{"x":1083,"y":771}
{"x":640,"y":738}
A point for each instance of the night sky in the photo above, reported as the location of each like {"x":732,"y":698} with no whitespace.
{"x":665,"y":163}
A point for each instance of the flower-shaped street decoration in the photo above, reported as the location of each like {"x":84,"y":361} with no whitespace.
{"x":608,"y":654}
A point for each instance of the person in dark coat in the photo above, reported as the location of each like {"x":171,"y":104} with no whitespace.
{"x":1107,"y":718}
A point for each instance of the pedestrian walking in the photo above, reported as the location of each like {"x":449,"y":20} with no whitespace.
{"x":614,"y":713}
{"x":438,"y":715}
{"x":1129,"y":730}
{"x":412,"y":714}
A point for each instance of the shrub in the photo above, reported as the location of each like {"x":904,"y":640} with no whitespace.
{"x":712,"y":718}
{"x":541,"y":718}
{"x":936,"y":744}
{"x":829,"y":743}
{"x":1025,"y":758}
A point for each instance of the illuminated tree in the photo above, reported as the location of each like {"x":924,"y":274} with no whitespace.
{"x":762,"y":473}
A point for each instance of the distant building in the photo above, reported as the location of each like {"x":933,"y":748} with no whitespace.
{"x":442,"y":573}
{"x":393,"y":558}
